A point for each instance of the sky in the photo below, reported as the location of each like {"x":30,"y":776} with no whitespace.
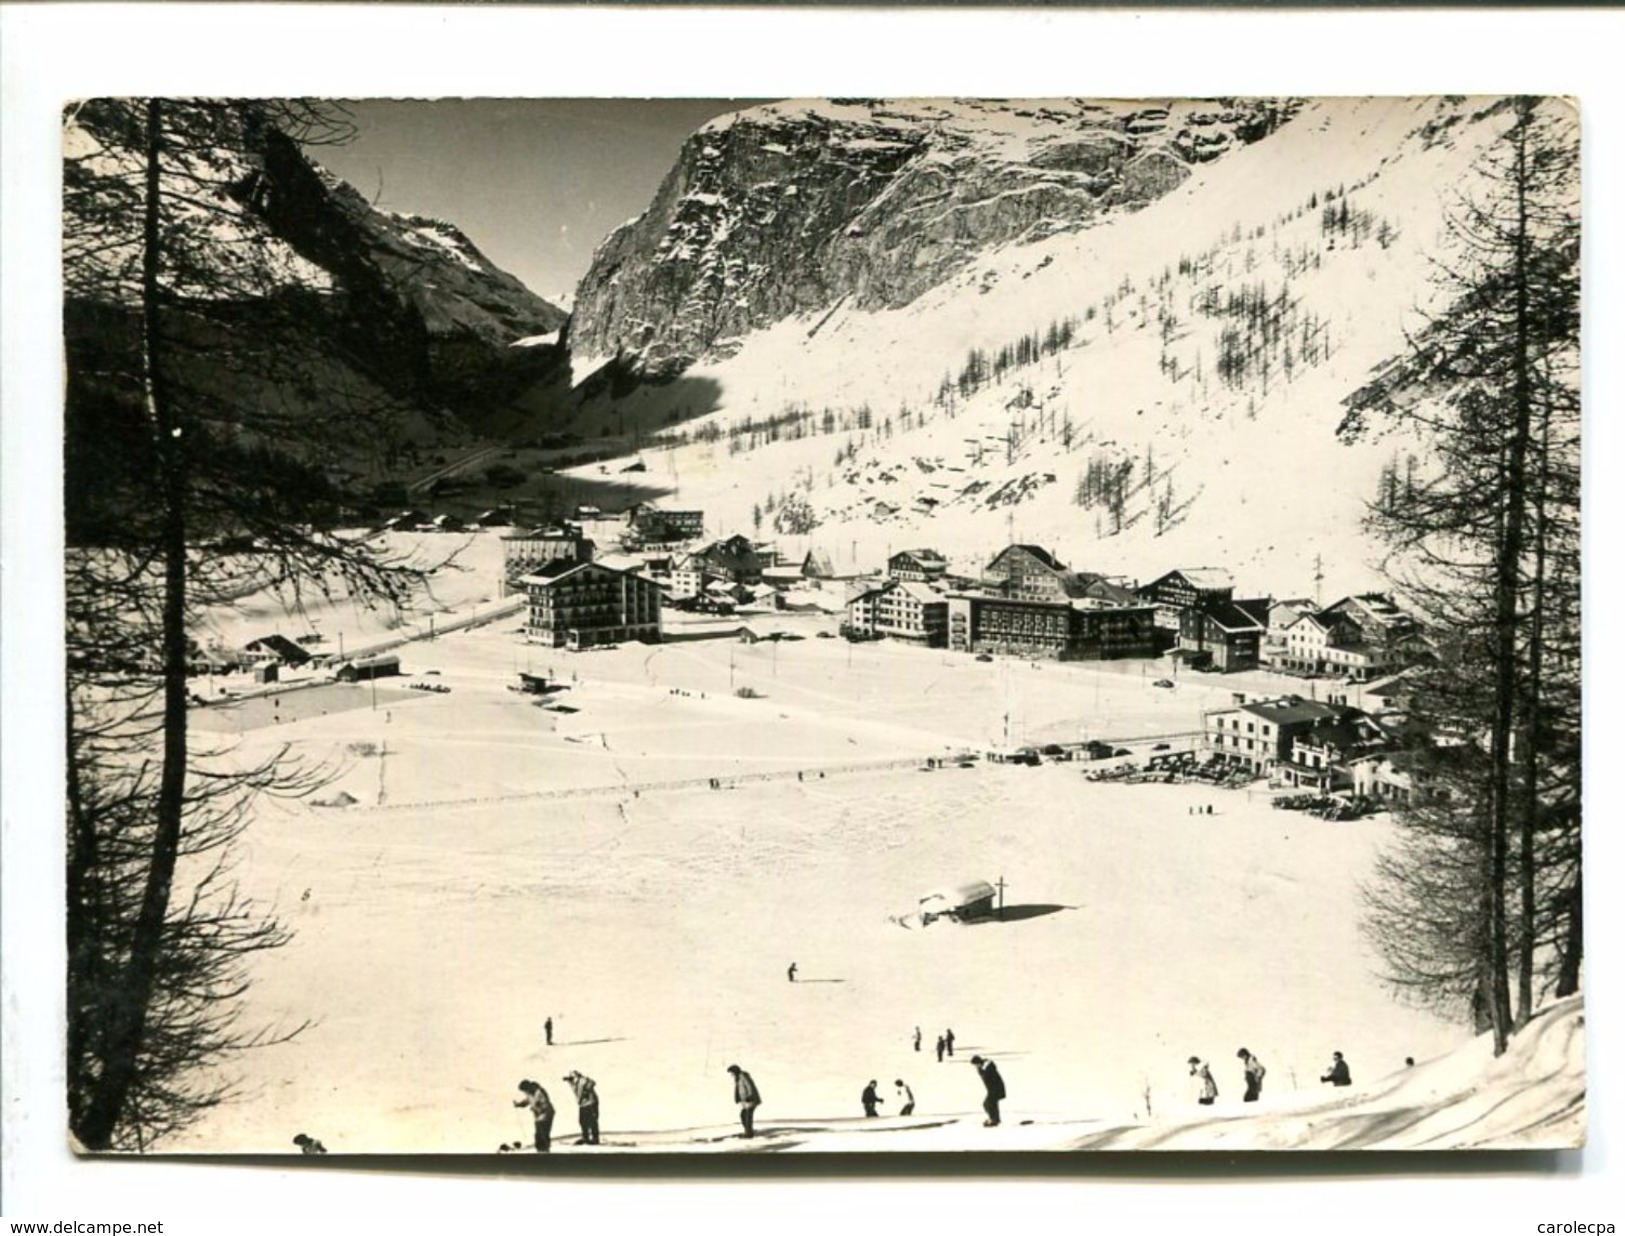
{"x":534,"y":183}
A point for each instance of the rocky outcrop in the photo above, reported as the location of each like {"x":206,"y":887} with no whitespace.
{"x":791,"y":208}
{"x":407,"y":303}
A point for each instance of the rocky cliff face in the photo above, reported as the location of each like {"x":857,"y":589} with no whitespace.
{"x":409,"y":304}
{"x":793,"y":208}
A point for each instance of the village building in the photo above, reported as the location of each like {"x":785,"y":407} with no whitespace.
{"x":1322,"y":753}
{"x":1259,"y":735}
{"x":731,"y":561}
{"x":524,"y":553}
{"x":363,"y":669}
{"x":920,"y":566}
{"x":652,"y":525}
{"x":898,"y":609}
{"x":1282,"y":614}
{"x":1183,"y":589}
{"x":1055,"y":630}
{"x":1032,"y":573}
{"x":817,"y":565}
{"x":1224,"y":635}
{"x":273,"y":650}
{"x":587,"y":604}
{"x":1383,"y":777}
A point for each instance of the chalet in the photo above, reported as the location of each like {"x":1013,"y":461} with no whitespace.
{"x":921,"y":566}
{"x":1224,"y":635}
{"x":1282,"y":614}
{"x":586,"y":604}
{"x":733,"y":561}
{"x":1057,"y":630}
{"x":1383,"y":777}
{"x":1321,"y":754}
{"x":1032,"y":573}
{"x":817,"y":565}
{"x":278,"y":649}
{"x":971,"y":900}
{"x":901,"y":610}
{"x":526,"y":552}
{"x":1259,"y":735}
{"x":1184,"y":589}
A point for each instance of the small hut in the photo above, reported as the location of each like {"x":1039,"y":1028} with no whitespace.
{"x":959,"y":902}
{"x":365,"y":668}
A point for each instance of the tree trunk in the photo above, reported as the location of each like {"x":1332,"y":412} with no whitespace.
{"x":128,"y":1014}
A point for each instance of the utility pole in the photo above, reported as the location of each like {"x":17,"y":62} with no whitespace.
{"x":1000,"y":887}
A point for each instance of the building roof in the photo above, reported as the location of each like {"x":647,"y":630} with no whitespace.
{"x":921,"y":592}
{"x":1232,"y":617}
{"x":955,"y":896}
{"x":284,"y":647}
{"x":1102,"y":589}
{"x":1293,"y":709}
{"x":1036,"y":551}
{"x":1257,"y":608}
{"x":925,"y":557}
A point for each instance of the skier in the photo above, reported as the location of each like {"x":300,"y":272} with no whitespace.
{"x":791,"y":972}
{"x":532,"y":1095}
{"x":948,"y":1041}
{"x":1252,"y":1072}
{"x":748,"y":1097}
{"x":308,"y":1144}
{"x":942,"y":1045}
{"x":907,"y":1097}
{"x":916,"y":1038}
{"x":1207,"y":1088}
{"x":586,"y":1092}
{"x":870,"y":1098}
{"x":1338,"y":1073}
{"x":994,"y":1084}
{"x":547,"y":1030}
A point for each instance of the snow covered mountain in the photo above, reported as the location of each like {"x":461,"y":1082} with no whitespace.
{"x":401,"y":303}
{"x":951,"y":333}
{"x":792,"y":208}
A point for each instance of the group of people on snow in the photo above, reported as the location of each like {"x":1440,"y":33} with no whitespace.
{"x":1252,"y":1076}
{"x":534,"y":1096}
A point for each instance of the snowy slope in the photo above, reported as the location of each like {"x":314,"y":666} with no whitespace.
{"x":1244,"y":470}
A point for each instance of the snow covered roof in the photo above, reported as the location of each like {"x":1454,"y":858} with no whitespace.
{"x":956,"y":896}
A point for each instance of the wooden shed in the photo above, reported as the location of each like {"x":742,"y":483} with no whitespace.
{"x":973,"y":899}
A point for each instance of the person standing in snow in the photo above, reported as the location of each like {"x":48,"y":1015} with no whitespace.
{"x":308,"y":1144}
{"x":547,"y":1030}
{"x":906,"y":1096}
{"x":916,"y":1038}
{"x":942,"y":1046}
{"x":1252,"y":1072}
{"x":994,"y":1085}
{"x":1206,"y":1088}
{"x":871,"y":1097}
{"x":948,"y":1040}
{"x":1338,"y":1073}
{"x":531,"y":1095}
{"x":791,"y":972}
{"x":748,"y":1097}
{"x":586,"y":1092}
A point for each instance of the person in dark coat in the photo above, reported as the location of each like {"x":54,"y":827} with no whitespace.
{"x":547,"y":1029}
{"x":871,"y":1097}
{"x":586,"y":1092}
{"x":1338,"y":1074}
{"x":994,"y":1085}
{"x":308,"y":1144}
{"x":532,"y":1095}
{"x":948,"y":1038}
{"x":916,"y":1038}
{"x":942,"y":1046}
{"x":1252,"y":1073}
{"x":791,"y":972}
{"x":748,"y":1097}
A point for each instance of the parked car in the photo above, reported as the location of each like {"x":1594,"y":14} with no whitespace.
{"x":983,"y":656}
{"x":1163,"y":682}
{"x":1122,"y":751}
{"x":826,"y":635}
{"x":1161,"y":746}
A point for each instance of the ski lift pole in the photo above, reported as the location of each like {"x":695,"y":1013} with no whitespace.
{"x":1000,"y":887}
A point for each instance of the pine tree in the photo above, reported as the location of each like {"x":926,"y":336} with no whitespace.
{"x":1483,"y":893}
